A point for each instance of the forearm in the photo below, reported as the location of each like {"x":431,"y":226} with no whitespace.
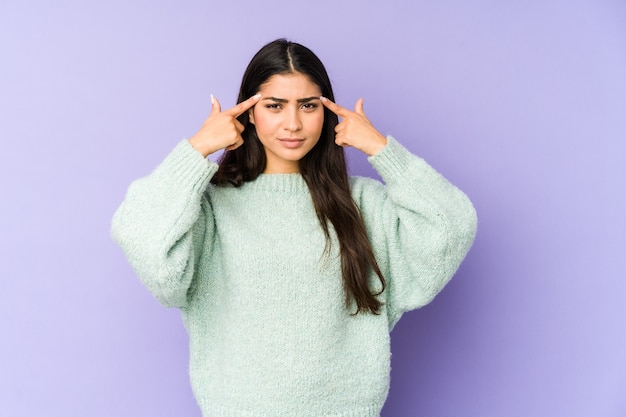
{"x":428,"y":225}
{"x":159,"y":222}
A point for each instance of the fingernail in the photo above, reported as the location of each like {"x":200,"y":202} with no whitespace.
{"x":323,"y":98}
{"x":212,"y":99}
{"x":256,"y":96}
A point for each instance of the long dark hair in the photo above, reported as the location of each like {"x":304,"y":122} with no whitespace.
{"x":323,"y":169}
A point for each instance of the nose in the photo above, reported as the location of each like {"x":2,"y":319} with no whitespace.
{"x":292,"y":121}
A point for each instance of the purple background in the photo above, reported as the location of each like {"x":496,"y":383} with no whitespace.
{"x":520,"y":103}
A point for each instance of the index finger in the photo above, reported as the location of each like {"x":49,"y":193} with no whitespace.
{"x":335,"y":108}
{"x":244,"y":106}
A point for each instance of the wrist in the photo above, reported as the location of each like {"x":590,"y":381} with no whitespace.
{"x":377,"y":146}
{"x":200,"y":147}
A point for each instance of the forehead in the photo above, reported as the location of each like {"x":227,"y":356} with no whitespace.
{"x":294,"y":86}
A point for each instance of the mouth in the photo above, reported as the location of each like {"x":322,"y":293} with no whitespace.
{"x":291,"y":142}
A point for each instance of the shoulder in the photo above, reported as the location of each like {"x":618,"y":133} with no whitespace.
{"x":364,"y":184}
{"x":367,"y":192}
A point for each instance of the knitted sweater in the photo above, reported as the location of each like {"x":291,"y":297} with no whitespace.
{"x":264,"y":306}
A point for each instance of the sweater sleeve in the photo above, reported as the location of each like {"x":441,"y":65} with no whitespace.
{"x":163,"y":222}
{"x":420,"y":225}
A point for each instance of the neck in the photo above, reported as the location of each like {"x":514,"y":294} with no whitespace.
{"x":282,"y":168}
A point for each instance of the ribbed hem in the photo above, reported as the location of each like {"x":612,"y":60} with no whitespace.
{"x":217,"y":411}
{"x":392,"y":161}
{"x":188,"y":166}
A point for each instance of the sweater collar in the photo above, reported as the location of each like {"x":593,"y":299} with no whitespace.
{"x":278,"y":182}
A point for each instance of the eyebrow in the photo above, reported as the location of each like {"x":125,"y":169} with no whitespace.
{"x":284,"y":100}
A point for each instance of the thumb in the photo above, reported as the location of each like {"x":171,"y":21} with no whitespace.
{"x":215,"y":106}
{"x":358,"y":107}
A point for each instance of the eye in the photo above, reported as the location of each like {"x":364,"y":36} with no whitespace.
{"x":310,"y":106}
{"x":273,"y":106}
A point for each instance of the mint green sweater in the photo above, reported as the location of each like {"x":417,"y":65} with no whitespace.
{"x":269,"y":332}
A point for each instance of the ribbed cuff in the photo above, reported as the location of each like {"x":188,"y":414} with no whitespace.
{"x":392,"y":161}
{"x":187,"y":166}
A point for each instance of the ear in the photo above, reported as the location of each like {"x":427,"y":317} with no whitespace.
{"x":251,"y":115}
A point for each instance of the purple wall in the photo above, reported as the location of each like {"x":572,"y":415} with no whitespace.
{"x":520,"y":103}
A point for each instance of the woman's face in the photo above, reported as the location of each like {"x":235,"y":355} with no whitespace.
{"x":288,"y":120}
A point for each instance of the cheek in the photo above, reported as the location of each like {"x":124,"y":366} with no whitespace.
{"x":317,"y":122}
{"x":262,"y":122}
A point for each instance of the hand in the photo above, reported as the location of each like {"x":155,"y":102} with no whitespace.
{"x":355,"y":129}
{"x":222,"y":130}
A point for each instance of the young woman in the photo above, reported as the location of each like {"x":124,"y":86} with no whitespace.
{"x":289,"y":274}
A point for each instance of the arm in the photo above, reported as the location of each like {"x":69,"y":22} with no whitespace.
{"x":165,"y":223}
{"x":162,"y":223}
{"x":420,"y":225}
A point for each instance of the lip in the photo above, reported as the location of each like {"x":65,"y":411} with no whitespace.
{"x":291,"y":142}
